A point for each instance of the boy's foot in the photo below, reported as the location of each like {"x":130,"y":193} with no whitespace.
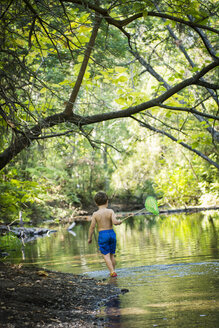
{"x":113,"y":274}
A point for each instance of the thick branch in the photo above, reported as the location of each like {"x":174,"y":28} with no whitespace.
{"x":90,"y":45}
{"x":24,"y":141}
{"x":151,"y":103}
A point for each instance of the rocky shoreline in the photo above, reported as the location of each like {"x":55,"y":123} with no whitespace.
{"x":33,"y":297}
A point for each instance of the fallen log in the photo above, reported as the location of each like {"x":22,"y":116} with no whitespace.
{"x":25,"y":232}
{"x":189,"y":209}
{"x":194,"y":209}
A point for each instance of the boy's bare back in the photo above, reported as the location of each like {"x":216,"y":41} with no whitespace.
{"x":105,"y":218}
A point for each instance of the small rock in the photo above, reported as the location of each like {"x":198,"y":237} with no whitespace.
{"x":124,"y":290}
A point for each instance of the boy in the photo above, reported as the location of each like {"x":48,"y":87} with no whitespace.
{"x":105,"y":218}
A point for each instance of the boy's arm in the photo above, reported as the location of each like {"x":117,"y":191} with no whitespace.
{"x":91,"y":229}
{"x":114,"y":219}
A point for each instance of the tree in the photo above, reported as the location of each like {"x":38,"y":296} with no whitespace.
{"x":98,"y":52}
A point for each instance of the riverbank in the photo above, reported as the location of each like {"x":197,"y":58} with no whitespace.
{"x":33,"y":297}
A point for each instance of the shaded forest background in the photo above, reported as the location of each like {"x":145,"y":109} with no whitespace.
{"x":118,"y":96}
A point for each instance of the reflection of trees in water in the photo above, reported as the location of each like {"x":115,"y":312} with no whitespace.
{"x":214,"y":238}
{"x":169,"y":239}
{"x":140,"y":242}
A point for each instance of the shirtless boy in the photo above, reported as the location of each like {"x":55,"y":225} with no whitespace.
{"x":105,"y":218}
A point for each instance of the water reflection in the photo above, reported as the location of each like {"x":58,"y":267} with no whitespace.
{"x":169,"y":264}
{"x":175,"y":295}
{"x":141,"y":241}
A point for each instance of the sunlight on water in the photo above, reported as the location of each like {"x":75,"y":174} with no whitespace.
{"x":149,"y":273}
{"x":169,"y":265}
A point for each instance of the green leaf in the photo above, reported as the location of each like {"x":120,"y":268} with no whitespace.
{"x":169,"y":114}
{"x":137,"y":6}
{"x":195,"y":69}
{"x":122,"y":78}
{"x":120,"y":101}
{"x":43,"y":90}
{"x":195,"y":144}
{"x":167,"y":22}
{"x":145,"y":13}
{"x":120,"y":69}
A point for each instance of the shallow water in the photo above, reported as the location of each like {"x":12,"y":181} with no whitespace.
{"x":175,"y":295}
{"x":170,"y":266}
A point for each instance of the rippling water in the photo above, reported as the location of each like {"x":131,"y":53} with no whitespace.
{"x":169,"y":264}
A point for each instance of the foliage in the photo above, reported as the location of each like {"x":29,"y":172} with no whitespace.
{"x":152,"y":166}
{"x":10,"y":240}
{"x":86,"y":86}
{"x":16,"y":194}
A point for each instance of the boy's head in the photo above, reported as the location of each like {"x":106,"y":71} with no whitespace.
{"x":101,"y":198}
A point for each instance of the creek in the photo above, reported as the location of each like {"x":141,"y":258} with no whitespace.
{"x":169,"y":264}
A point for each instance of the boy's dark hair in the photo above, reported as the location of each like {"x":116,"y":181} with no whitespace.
{"x":100,"y":198}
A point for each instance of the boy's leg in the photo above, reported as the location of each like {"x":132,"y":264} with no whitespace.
{"x":112,"y":257}
{"x":109,"y":262}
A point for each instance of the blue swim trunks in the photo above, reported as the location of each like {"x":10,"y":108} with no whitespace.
{"x":107,"y":241}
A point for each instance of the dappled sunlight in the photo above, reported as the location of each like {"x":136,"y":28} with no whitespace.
{"x":200,"y":304}
{"x":120,"y":96}
{"x":169,"y":264}
{"x":129,"y":311}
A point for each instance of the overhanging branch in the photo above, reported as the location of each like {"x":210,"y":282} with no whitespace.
{"x":24,"y":141}
{"x":148,"y":104}
{"x":208,"y":85}
{"x":197,"y":152}
{"x":125,"y":22}
{"x":150,"y":69}
{"x":190,"y":110}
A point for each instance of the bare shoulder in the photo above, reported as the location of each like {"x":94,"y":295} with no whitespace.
{"x":111,"y":213}
{"x":94,"y":213}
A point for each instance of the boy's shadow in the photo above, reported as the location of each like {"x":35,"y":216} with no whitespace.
{"x":113,"y":307}
{"x":113,"y":312}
